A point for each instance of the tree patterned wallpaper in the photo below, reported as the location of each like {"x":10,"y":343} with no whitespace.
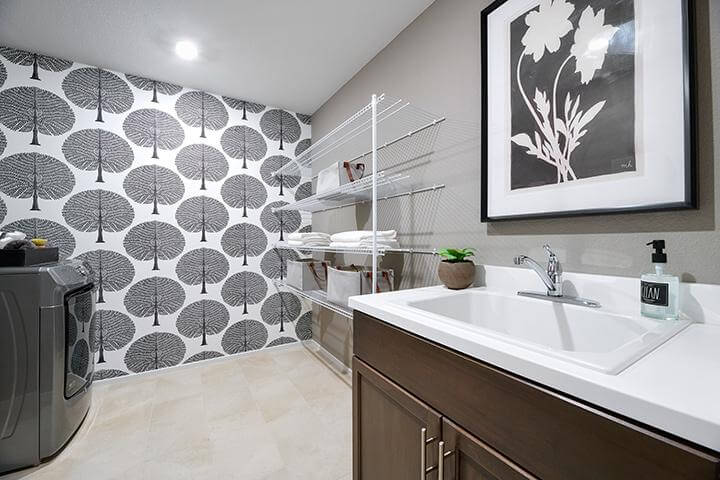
{"x":167,"y":193}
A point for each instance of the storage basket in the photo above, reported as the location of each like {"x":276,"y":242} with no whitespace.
{"x":307,"y":274}
{"x":337,"y":174}
{"x":346,"y":281}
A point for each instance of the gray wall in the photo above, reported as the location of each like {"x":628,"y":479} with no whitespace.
{"x":435,"y":63}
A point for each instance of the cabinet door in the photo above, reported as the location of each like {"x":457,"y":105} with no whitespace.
{"x":395,"y":436}
{"x":468,"y":458}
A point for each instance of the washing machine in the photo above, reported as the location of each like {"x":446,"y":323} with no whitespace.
{"x":46,"y":359}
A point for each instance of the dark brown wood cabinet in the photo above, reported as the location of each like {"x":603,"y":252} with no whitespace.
{"x":492,"y":425}
{"x":395,"y":432}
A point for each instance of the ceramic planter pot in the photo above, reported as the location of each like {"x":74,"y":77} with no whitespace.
{"x":457,"y":275}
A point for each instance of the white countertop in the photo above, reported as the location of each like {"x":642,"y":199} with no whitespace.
{"x":675,"y":388}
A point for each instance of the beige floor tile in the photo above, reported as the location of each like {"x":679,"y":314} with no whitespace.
{"x":248,"y":453}
{"x":178,"y":383}
{"x":271,"y":415}
{"x":278,"y":397}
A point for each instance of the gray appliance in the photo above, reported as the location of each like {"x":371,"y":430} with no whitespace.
{"x":46,"y":359}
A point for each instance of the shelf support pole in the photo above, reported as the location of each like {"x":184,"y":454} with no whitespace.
{"x":373,"y":102}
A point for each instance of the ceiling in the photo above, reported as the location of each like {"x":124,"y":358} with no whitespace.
{"x":288,"y":53}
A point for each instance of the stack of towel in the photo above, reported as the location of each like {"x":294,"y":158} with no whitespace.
{"x":364,"y":238}
{"x":309,"y":239}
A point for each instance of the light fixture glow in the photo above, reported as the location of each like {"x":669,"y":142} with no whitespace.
{"x":186,"y":50}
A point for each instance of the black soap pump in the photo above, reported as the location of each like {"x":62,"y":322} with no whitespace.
{"x":659,"y":291}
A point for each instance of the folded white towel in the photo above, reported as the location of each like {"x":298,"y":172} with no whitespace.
{"x":358,"y":235}
{"x":295,"y":236}
{"x":384,"y":243}
{"x":367,"y":242}
{"x":308,"y":243}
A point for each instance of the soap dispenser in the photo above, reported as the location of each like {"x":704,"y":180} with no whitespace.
{"x":659,"y":290}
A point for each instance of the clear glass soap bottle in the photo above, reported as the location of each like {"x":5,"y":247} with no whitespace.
{"x":659,"y":291}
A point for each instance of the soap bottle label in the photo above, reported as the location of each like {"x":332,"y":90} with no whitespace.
{"x":653,"y":293}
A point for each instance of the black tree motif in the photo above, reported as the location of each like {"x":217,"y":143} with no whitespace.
{"x":303,"y":191}
{"x":279,"y":308}
{"x":244,"y":239}
{"x":281,"y":341}
{"x":203,"y":318}
{"x":34,"y":175}
{"x":244,"y":288}
{"x":302,"y":146}
{"x":154,"y":296}
{"x":97,"y":89}
{"x":3,"y":74}
{"x":199,"y":109}
{"x":306,"y":119}
{"x":98,"y":210}
{"x":288,"y":179}
{"x":154,"y":86}
{"x":153,"y":351}
{"x":244,"y":336}
{"x":201,"y":162}
{"x":56,"y":234}
{"x":3,"y":142}
{"x":283,"y":221}
{"x":202,"y":266}
{"x":244,"y":106}
{"x":154,"y":184}
{"x":204,"y":355}
{"x":303,"y":327}
{"x":113,"y":330}
{"x":31,"y":109}
{"x":243,"y":142}
{"x":150,"y":127}
{"x":37,"y":61}
{"x":106,"y":373}
{"x":80,"y":359}
{"x":202,"y":214}
{"x":113,"y":271}
{"x":279,"y":125}
{"x":96,"y":149}
{"x":154,"y":241}
{"x":243,"y":191}
{"x":274,"y":262}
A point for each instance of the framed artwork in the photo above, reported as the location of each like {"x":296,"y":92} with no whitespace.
{"x":588,"y":107}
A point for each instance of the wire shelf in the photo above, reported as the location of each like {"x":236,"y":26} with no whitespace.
{"x":359,"y":191}
{"x":318,"y":297}
{"x":381,"y":250}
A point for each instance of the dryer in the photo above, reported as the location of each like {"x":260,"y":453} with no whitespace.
{"x":46,"y":359}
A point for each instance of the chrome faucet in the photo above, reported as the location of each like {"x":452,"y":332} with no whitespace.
{"x":552,"y":278}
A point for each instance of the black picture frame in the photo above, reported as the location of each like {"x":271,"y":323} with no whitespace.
{"x":690,"y":130}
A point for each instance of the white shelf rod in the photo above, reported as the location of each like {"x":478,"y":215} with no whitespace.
{"x":374,"y":194}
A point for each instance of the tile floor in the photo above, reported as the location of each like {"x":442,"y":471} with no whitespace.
{"x":273,"y":414}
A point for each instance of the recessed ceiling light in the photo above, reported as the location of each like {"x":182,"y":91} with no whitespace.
{"x":186,"y":50}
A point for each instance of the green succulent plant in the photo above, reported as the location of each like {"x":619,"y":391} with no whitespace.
{"x":453,"y":255}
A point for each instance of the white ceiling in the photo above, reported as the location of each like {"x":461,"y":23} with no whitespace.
{"x":289,"y":53}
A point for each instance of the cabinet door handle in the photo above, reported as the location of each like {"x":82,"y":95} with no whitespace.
{"x":442,"y":455}
{"x":423,"y":460}
{"x":441,"y":461}
{"x":424,"y":441}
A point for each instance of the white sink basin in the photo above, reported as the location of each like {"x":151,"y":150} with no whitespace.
{"x":597,"y":339}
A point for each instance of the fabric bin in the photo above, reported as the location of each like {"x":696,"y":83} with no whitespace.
{"x":337,"y":174}
{"x":346,"y":281}
{"x":307,"y":274}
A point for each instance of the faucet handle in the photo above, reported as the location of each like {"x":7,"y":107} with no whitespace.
{"x":550,"y":253}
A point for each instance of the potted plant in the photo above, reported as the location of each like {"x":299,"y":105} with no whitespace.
{"x":455,"y":271}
